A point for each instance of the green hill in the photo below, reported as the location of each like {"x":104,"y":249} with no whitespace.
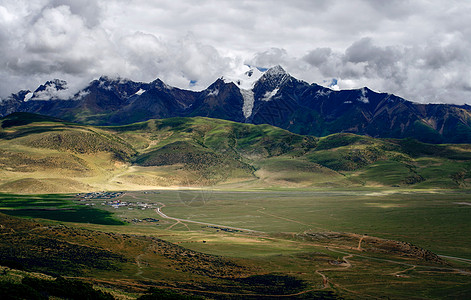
{"x":42,"y":154}
{"x":392,"y":162}
{"x":212,"y":151}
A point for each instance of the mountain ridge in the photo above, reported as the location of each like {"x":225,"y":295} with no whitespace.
{"x":275,"y":98}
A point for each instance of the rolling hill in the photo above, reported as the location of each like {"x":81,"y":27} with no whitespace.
{"x":41,"y":155}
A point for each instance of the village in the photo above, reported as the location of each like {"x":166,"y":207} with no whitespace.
{"x":98,"y":195}
{"x":130,"y":205}
{"x":111,"y":199}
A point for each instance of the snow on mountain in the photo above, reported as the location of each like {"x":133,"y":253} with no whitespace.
{"x":213,"y":93}
{"x":274,"y":78}
{"x":276,"y":71}
{"x":249,"y":101}
{"x":28,"y":96}
{"x":140,"y":92}
{"x":363,"y":97}
{"x":270,"y":94}
{"x":54,"y":89}
{"x":245,"y":80}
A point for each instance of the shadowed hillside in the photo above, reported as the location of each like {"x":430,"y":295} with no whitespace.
{"x":41,"y":154}
{"x":126,"y":265}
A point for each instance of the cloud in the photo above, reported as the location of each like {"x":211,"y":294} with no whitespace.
{"x":269,"y":58}
{"x":177,"y":63}
{"x":415,"y":49}
{"x":318,"y":56}
{"x":426,"y":73}
{"x":55,"y":42}
{"x":89,"y":10}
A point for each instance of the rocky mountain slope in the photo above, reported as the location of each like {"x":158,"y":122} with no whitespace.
{"x":273,"y":97}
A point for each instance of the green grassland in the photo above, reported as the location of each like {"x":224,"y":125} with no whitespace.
{"x":418,"y":217}
{"x":368,"y":243}
{"x":285,"y":222}
{"x":44,"y":155}
{"x":250,"y":211}
{"x":53,"y":207}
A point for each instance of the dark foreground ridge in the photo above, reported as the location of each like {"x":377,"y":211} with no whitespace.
{"x":138,"y":264}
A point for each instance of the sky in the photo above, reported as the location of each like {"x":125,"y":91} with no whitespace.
{"x":419,"y":50}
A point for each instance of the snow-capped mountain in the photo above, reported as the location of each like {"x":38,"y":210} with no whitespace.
{"x":272,"y":97}
{"x":54,"y":89}
{"x":245,"y":80}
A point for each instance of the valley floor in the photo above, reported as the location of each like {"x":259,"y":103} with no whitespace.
{"x":226,"y":244}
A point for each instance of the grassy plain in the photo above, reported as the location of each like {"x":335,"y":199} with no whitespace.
{"x":438,"y":220}
{"x":275,"y":230}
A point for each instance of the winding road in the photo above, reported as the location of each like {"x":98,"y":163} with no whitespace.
{"x":178,"y":220}
{"x":326,"y":282}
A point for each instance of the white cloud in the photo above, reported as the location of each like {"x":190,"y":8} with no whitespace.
{"x":416,"y":49}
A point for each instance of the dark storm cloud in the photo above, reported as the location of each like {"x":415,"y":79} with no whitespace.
{"x":420,"y":72}
{"x":416,"y":49}
{"x":318,"y":57}
{"x":383,"y":62}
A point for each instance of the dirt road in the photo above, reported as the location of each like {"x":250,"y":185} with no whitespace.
{"x":159,"y":211}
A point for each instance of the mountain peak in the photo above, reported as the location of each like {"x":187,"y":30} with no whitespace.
{"x":57,"y":84}
{"x":52,"y":89}
{"x":276,"y":74}
{"x":273,"y":78}
{"x":160,"y":85}
{"x":20,"y":96}
{"x":276,"y":71}
{"x":112,"y":80}
{"x":246,"y":80}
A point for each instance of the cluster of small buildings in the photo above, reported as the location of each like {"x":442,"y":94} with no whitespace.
{"x":112,"y":199}
{"x":98,"y":195}
{"x":130,"y":205}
